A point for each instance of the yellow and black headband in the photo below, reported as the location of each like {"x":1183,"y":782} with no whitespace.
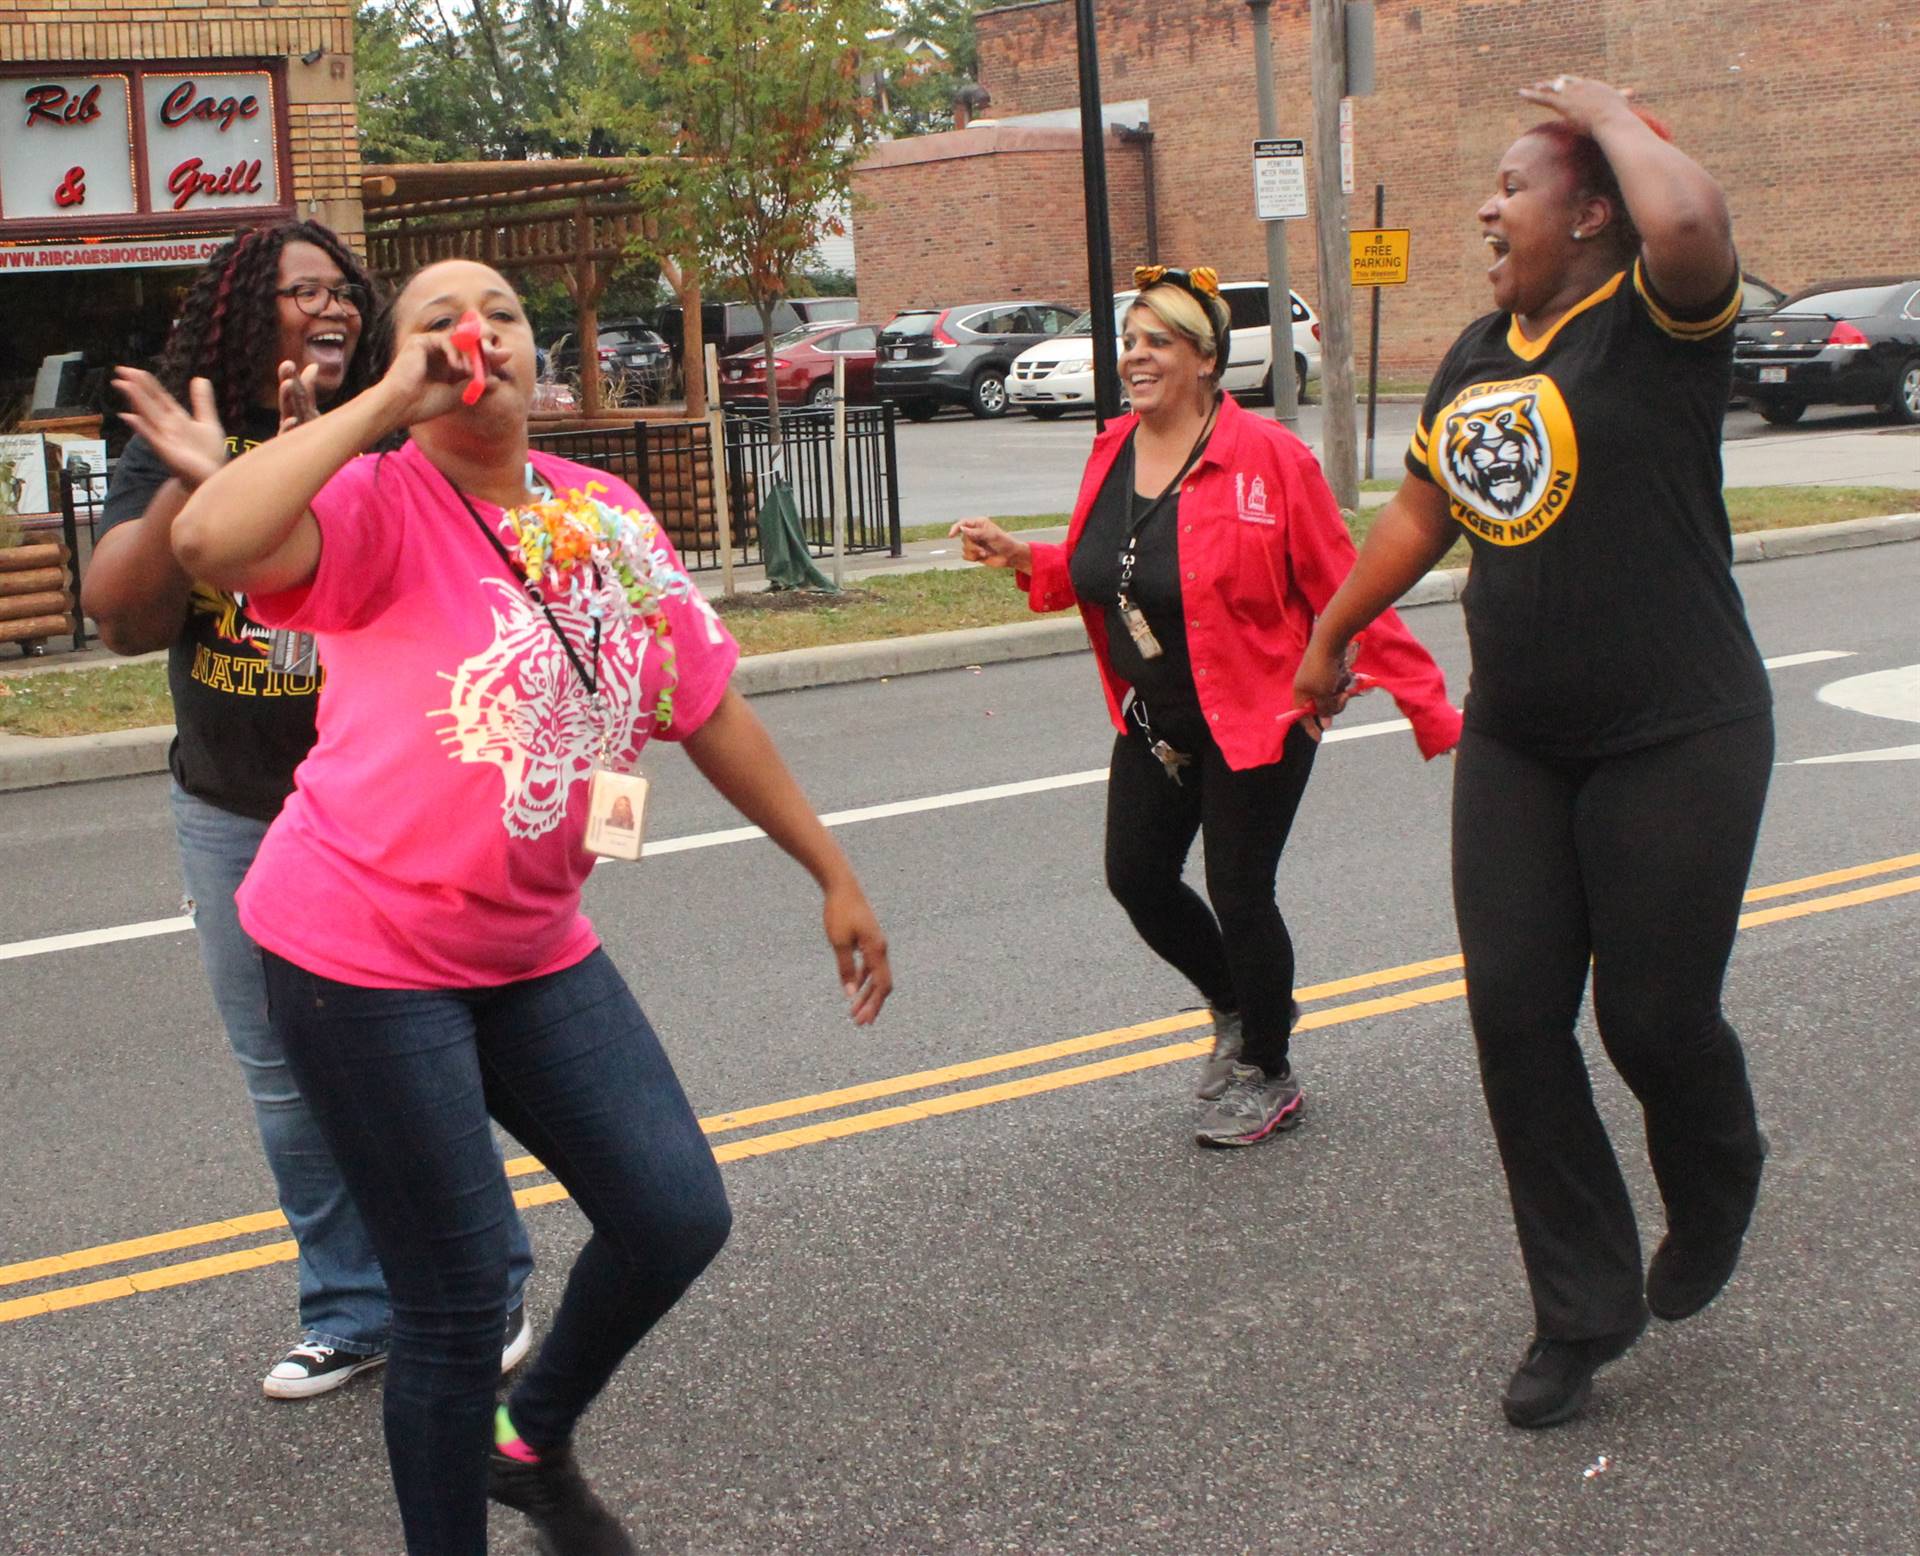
{"x":1202,"y":283}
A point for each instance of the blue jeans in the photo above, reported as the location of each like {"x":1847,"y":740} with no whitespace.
{"x":343,"y":1300}
{"x":402,"y":1083}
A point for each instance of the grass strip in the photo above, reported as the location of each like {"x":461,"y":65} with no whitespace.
{"x":85,"y":702}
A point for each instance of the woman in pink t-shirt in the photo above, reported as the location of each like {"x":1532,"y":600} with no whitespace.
{"x":502,"y":632}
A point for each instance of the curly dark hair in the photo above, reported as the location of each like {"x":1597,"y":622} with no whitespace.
{"x":229,"y":325}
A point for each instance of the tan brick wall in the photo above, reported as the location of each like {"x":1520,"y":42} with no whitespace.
{"x":322,"y":127}
{"x":1007,"y":222}
{"x":1803,"y":111}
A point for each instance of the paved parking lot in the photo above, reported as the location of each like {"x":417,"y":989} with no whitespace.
{"x":955,"y":466}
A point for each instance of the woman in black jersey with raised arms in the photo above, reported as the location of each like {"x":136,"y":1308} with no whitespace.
{"x":1619,"y":733}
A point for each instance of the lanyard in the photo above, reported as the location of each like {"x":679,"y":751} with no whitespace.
{"x":1140,"y":520}
{"x":590,"y":681}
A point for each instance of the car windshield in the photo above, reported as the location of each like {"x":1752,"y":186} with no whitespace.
{"x":913,"y":324}
{"x":1852,"y":302}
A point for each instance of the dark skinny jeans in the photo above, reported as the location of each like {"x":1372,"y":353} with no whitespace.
{"x":403,"y":1083}
{"x":1237,"y":952}
{"x":1636,"y":863}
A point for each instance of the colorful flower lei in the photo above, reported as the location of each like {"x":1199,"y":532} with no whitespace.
{"x":560,"y":533}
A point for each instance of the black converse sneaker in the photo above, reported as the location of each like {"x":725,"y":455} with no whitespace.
{"x":568,"y":1519}
{"x":312,"y":1367}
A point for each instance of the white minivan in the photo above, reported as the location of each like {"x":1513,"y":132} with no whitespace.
{"x":1055,"y":376}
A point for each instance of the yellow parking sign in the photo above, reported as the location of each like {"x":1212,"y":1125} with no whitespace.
{"x":1380,"y":255}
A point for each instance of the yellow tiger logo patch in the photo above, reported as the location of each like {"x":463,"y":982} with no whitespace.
{"x":1506,"y":456}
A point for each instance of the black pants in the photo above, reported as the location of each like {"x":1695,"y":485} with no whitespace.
{"x":1236,"y":953}
{"x":1637,"y":863}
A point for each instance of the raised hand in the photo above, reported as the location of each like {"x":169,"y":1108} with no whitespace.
{"x":192,"y":444}
{"x":297,"y":402}
{"x":1582,"y":103}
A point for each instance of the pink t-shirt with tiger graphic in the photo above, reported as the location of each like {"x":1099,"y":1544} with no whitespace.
{"x":434,"y":838}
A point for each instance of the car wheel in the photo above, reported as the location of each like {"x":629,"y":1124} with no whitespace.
{"x":1781,"y":413}
{"x":1046,"y":412}
{"x":820,"y":396}
{"x":988,"y":396}
{"x":1904,"y":405}
{"x":919,"y":410}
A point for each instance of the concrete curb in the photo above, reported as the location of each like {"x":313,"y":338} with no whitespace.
{"x":30,"y":763}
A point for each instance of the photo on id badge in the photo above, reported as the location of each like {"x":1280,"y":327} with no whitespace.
{"x":616,"y":814}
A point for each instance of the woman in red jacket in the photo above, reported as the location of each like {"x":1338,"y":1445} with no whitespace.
{"x":1203,"y":543}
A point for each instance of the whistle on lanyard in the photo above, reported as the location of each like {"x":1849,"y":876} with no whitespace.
{"x":466,"y":337}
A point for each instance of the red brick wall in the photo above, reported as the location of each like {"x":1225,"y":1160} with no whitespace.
{"x":972,"y":215}
{"x":1803,"y":111}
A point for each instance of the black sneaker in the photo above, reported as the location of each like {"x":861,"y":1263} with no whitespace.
{"x":519,"y":1339}
{"x":568,"y":1519}
{"x":312,"y":1368}
{"x":1555,"y":1380}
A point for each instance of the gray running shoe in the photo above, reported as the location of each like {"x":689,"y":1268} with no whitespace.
{"x":1252,"y":1107}
{"x":1218,"y":1069}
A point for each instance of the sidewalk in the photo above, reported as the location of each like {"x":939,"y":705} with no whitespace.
{"x":27,"y":762}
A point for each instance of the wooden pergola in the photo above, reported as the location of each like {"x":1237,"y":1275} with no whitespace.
{"x":577,"y":216}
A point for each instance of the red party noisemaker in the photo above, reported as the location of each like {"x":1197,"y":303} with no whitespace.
{"x":466,"y":337}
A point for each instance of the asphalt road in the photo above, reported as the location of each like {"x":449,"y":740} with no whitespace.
{"x":955,"y":466}
{"x":1027,"y":1315}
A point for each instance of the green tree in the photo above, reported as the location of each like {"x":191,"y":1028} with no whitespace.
{"x":757,"y":111}
{"x":477,"y":81}
{"x":931,"y":57}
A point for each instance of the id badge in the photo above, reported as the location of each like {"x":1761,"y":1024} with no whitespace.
{"x":616,"y":814}
{"x":293,"y":653}
{"x":1140,"y":632}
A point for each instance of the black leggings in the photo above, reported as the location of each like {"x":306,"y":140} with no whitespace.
{"x":1638,"y":863}
{"x":1243,"y":958}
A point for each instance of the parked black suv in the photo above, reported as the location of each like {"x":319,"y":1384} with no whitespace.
{"x":629,"y":348}
{"x":929,"y":357}
{"x":728,"y":327}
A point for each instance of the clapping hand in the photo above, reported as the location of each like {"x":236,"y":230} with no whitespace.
{"x":191,"y":444}
{"x":297,"y":403}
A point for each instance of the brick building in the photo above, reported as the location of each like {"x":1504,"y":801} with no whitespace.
{"x":1800,"y":110}
{"x":135,"y":135}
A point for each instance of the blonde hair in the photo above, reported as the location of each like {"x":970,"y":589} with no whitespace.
{"x":1183,"y":313}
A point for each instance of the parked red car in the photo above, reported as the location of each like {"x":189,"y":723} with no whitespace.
{"x":803,"y":366}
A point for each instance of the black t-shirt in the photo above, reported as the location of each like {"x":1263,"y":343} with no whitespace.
{"x":1165,"y":682}
{"x":241,"y":726}
{"x":1585,"y":467}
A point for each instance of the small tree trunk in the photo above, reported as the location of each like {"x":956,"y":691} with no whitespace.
{"x":773,"y":388}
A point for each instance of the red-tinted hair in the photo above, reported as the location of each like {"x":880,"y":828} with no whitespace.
{"x":1586,"y":164}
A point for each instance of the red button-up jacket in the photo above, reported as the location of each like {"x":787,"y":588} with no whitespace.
{"x":1262,"y":547}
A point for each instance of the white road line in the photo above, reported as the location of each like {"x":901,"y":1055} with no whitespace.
{"x":1815,"y":657}
{"x":48,"y":944}
{"x":87,"y":937}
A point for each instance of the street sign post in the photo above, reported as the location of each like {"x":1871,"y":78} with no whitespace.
{"x":1279,"y":180}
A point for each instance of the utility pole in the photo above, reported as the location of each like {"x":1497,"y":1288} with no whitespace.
{"x":1093,"y":166}
{"x":1286,"y":396}
{"x":1339,"y":449}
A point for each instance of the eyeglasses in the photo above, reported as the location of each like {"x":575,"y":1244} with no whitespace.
{"x":313,"y":298}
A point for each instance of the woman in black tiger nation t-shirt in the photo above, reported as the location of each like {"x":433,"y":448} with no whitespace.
{"x":1619,"y":733}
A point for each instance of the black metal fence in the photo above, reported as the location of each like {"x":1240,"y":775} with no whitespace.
{"x":670,"y":464}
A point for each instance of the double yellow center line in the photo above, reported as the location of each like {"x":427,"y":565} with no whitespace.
{"x":864,"y":1121}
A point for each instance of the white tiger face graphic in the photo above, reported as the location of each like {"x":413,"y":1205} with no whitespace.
{"x":1497,"y":458}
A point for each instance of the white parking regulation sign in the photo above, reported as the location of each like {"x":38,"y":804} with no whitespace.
{"x":1279,"y":179}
